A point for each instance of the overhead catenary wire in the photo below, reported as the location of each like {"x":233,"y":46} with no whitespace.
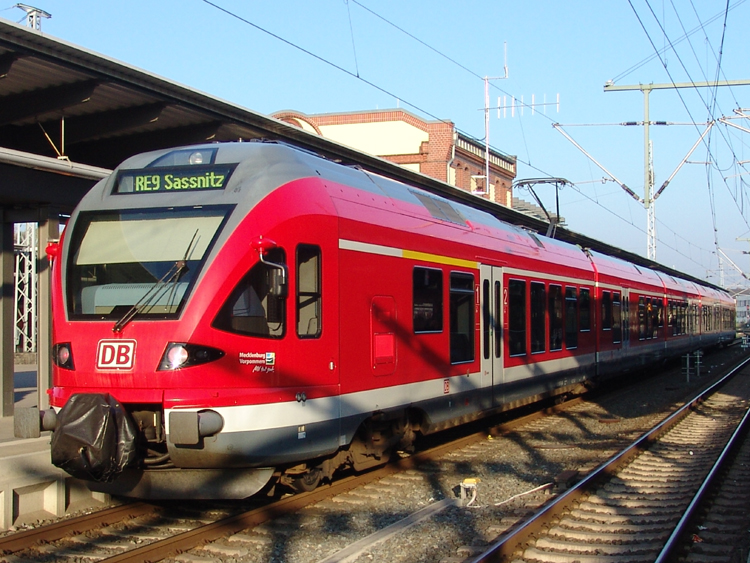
{"x":359,"y":77}
{"x":322,"y":59}
{"x":351,"y":31}
{"x":711,"y":109}
{"x":684,"y":37}
{"x":632,"y":224}
{"x":679,"y":94}
{"x":440,"y":53}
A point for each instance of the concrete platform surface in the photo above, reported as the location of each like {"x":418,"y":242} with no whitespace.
{"x":31,"y":488}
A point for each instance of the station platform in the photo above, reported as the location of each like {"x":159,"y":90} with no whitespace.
{"x":31,"y":488}
{"x":25,"y":396}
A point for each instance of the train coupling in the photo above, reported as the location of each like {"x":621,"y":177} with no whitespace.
{"x":188,"y":428}
{"x":30,"y":422}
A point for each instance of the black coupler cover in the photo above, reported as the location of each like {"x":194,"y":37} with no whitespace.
{"x":95,"y":438}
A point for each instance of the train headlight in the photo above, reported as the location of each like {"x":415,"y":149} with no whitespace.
{"x":62,"y":355}
{"x":177,"y":356}
{"x":181,"y":355}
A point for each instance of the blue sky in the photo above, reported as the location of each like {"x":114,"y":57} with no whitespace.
{"x":566,"y":48}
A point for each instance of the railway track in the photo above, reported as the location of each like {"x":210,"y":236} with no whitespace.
{"x":636,"y":507}
{"x":152,"y":533}
{"x":719,"y":528}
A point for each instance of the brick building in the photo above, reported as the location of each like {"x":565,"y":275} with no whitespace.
{"x":434,"y":148}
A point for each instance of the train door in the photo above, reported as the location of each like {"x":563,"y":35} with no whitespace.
{"x":625,"y":320}
{"x":491,"y":334}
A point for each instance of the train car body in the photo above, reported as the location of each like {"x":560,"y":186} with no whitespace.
{"x":224,"y":314}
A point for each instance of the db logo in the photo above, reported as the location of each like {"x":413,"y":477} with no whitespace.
{"x":115,"y":354}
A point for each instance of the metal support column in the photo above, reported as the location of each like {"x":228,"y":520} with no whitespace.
{"x":7,"y":317}
{"x":26,"y":252}
{"x":49,"y":230}
{"x":648,"y":180}
{"x":648,"y":199}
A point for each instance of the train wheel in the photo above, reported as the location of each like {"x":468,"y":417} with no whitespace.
{"x":308,"y":481}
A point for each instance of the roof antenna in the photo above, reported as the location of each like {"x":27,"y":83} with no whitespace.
{"x":33,"y":16}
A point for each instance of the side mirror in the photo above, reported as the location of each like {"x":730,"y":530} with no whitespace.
{"x":52,"y":250}
{"x":277,"y":281}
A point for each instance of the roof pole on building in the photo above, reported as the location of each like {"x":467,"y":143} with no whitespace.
{"x":33,"y":16}
{"x":487,"y":120}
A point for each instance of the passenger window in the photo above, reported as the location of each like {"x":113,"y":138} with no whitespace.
{"x":252,"y":309}
{"x":517,"y":317}
{"x":660,"y":312}
{"x":584,"y":310}
{"x":428,"y":300}
{"x":571,"y":318}
{"x":641,"y":319}
{"x":309,"y":294}
{"x":462,"y":318}
{"x":671,"y":318}
{"x":555,"y":317}
{"x":538,"y":317}
{"x":616,"y":319}
{"x":606,"y":310}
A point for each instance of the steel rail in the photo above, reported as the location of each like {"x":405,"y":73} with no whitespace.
{"x":505,"y":547}
{"x":713,"y":476}
{"x":72,"y":526}
{"x":169,"y":547}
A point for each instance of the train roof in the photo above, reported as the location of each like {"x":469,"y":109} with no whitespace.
{"x":269,"y":164}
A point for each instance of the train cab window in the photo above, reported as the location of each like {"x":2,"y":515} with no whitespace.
{"x":462,"y":318}
{"x":517,"y":317}
{"x":142,"y":261}
{"x":555,"y":309}
{"x":571,"y":318}
{"x":252,"y":308}
{"x":428,"y":300}
{"x":538,"y":317}
{"x":309,"y":294}
{"x":606,"y":310}
{"x":584,"y":310}
{"x":616,"y":318}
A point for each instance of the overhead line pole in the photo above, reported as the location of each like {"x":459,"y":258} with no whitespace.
{"x":648,"y":182}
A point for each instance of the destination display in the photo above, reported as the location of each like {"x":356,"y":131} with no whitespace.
{"x":173,"y":179}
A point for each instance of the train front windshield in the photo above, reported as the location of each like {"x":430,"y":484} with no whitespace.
{"x":141,"y":262}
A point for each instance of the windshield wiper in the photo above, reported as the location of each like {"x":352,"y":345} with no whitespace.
{"x":172,"y":275}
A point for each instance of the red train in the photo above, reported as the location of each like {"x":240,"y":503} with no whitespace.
{"x":229,"y":314}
